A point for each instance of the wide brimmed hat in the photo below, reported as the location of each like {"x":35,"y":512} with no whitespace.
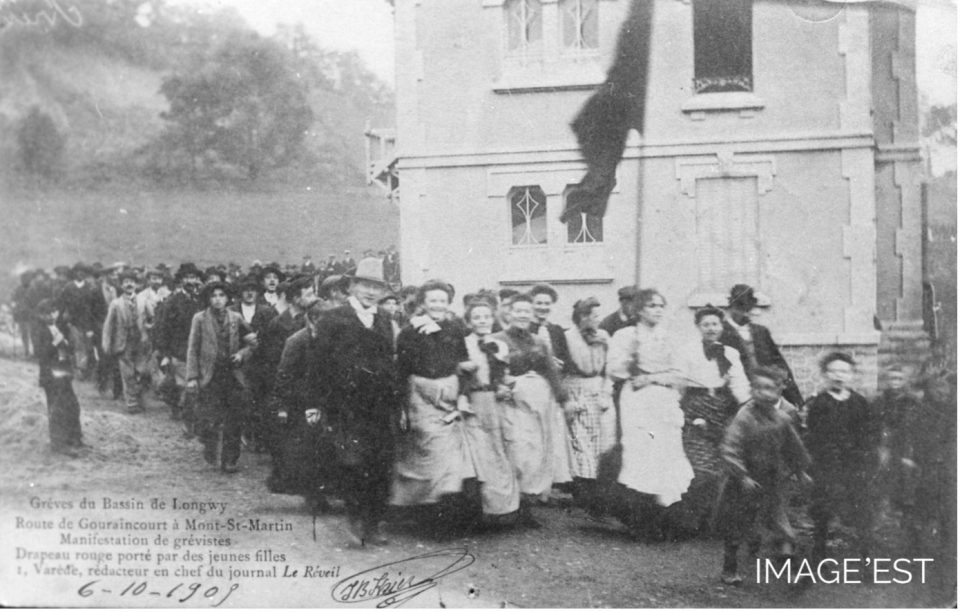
{"x":272,"y":267}
{"x":249,"y":282}
{"x":187,"y":269}
{"x":80,"y":270}
{"x":129,"y":274}
{"x":743,"y":296}
{"x":369,"y":269}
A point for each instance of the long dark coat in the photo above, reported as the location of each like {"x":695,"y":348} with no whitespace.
{"x":357,"y":377}
{"x":767,"y":353}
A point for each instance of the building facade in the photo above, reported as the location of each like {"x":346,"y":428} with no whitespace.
{"x":780,"y":149}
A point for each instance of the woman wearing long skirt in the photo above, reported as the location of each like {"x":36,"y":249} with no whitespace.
{"x":653,"y":465}
{"x":434,"y":457}
{"x":530,"y":414}
{"x":55,"y":357}
{"x":544,"y":298}
{"x":591,"y":421}
{"x":499,"y":492}
{"x":716,"y":385}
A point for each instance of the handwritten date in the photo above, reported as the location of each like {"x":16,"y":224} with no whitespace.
{"x":181,"y":593}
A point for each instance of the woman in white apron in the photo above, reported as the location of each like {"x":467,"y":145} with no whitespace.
{"x":654,"y":465}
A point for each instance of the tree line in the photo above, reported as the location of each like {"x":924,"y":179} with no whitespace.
{"x":240,"y":106}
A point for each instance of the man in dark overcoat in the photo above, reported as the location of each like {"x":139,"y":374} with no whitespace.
{"x":77,"y":308}
{"x":172,"y":334}
{"x":359,"y":396}
{"x":297,"y":389}
{"x":259,"y":375}
{"x":753,"y":341}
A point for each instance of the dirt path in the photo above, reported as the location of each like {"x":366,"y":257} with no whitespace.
{"x":570,"y":562}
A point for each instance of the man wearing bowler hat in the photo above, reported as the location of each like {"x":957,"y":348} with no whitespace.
{"x":753,"y":341}
{"x":123,"y":339}
{"x":258,"y":373}
{"x":358,"y":397}
{"x":172,"y":334}
{"x":77,"y":309}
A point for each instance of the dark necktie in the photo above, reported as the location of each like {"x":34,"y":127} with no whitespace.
{"x":713,"y":351}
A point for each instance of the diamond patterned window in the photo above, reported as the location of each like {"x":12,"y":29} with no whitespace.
{"x":584,"y":229}
{"x":528,"y":215}
{"x":581,"y":28}
{"x":524,"y":26}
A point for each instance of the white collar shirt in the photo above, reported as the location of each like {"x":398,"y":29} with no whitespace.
{"x":364,"y":314}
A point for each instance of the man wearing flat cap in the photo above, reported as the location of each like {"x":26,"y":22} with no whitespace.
{"x":753,"y":341}
{"x":625,"y":316}
{"x":359,"y":398}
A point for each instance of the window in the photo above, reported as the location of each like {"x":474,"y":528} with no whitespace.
{"x":528,"y":215}
{"x":524,"y":26}
{"x":585,"y":229}
{"x":581,"y":28}
{"x":728,"y":235}
{"x":722,"y":41}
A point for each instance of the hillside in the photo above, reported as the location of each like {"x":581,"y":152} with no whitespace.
{"x":100,"y":85}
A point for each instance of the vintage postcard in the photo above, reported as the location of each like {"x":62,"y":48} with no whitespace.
{"x":478,"y":303}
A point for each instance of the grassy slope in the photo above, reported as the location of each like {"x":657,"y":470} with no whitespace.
{"x":47,"y":228}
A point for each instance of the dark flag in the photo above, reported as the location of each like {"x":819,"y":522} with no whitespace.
{"x":605,"y":120}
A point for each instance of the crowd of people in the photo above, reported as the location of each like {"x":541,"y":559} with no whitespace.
{"x":381,"y":397}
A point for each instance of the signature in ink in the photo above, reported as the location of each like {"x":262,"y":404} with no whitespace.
{"x":27,"y":14}
{"x":400,"y":581}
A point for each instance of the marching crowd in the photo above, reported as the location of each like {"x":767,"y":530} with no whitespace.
{"x":379,"y":396}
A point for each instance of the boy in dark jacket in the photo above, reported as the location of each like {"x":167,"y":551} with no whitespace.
{"x":761,"y":449}
{"x":841,"y":436}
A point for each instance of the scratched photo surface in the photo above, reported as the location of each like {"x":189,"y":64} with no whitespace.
{"x":790,"y":162}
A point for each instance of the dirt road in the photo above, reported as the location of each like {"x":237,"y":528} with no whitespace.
{"x":570,"y":562}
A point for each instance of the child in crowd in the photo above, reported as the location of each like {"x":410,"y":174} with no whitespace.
{"x":55,"y":357}
{"x":841,"y":436}
{"x":918,"y":438}
{"x":760,"y":450}
{"x":899,"y":414}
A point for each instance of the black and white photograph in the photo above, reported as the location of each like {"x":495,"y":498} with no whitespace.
{"x":478,"y":303}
